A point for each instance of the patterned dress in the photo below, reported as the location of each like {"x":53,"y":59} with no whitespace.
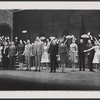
{"x":45,"y":56}
{"x":1,"y":53}
{"x":96,"y":58}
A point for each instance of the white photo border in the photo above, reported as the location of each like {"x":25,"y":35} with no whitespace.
{"x":48,"y":5}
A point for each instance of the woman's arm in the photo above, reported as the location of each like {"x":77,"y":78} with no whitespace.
{"x":96,"y":41}
{"x":89,"y":49}
{"x":65,"y":41}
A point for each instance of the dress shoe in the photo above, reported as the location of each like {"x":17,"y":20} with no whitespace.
{"x":35,"y":70}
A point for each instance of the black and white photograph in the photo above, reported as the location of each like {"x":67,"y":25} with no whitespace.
{"x":50,"y":49}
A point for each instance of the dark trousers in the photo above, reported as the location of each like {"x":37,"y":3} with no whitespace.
{"x":53,"y":63}
{"x":6,"y":62}
{"x":90,"y":64}
{"x":12,"y":62}
{"x":82,"y":61}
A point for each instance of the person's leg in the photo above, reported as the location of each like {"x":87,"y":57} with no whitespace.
{"x":29,"y":63}
{"x":74,"y":66}
{"x":59,"y":65}
{"x":83,"y":61}
{"x":36,"y":62}
{"x":80,"y":62}
{"x":96,"y":65}
{"x":26,"y":62}
{"x":11,"y":60}
{"x":20,"y":66}
{"x":51,"y":63}
{"x":55,"y":64}
{"x":47,"y":67}
{"x":14,"y":62}
{"x":33,"y":61}
{"x":89,"y":63}
{"x":64,"y":66}
{"x":4,"y":62}
{"x":39,"y":62}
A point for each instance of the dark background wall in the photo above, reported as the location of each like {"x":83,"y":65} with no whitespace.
{"x":55,"y":22}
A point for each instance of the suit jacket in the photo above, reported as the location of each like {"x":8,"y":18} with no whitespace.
{"x":12,"y":50}
{"x":91,"y":52}
{"x":53,"y":50}
{"x":28,"y":50}
{"x":37,"y":49}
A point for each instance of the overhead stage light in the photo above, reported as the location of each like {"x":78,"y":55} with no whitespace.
{"x":24,"y":31}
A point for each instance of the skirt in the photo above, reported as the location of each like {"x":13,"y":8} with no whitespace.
{"x":73,"y":57}
{"x":45,"y":58}
{"x":96,"y":58}
{"x":63,"y":57}
{"x":20,"y":58}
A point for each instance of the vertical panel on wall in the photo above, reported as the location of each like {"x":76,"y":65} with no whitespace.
{"x":47,"y":30}
{"x":59,"y":30}
{"x":34,"y":33}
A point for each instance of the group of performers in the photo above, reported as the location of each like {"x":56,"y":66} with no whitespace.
{"x":52,"y":53}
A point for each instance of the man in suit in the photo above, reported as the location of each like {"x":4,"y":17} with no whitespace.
{"x":53,"y":50}
{"x":37,"y":52}
{"x":81,"y":48}
{"x":90,"y":55}
{"x":5,"y":56}
{"x":27,"y":53}
{"x":11,"y":55}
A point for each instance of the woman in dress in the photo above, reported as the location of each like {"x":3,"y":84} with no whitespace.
{"x":1,"y":48}
{"x":62,"y":51}
{"x":20,"y":50}
{"x":73,"y":53}
{"x":96,"y":59}
{"x":45,"y":56}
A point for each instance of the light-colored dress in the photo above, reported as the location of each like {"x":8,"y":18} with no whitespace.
{"x":1,"y":53}
{"x":96,"y":58}
{"x":73,"y":53}
{"x":45,"y":56}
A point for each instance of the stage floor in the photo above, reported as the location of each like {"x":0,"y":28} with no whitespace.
{"x":44,"y":80}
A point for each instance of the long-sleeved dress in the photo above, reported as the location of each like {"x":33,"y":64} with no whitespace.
{"x":62,"y":51}
{"x":20,"y":50}
{"x":73,"y":53}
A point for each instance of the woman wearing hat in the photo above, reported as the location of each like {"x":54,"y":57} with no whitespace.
{"x":73,"y":53}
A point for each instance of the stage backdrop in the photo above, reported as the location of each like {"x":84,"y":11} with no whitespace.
{"x":55,"y":22}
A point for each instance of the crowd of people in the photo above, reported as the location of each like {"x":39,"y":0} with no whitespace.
{"x":51,"y":53}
